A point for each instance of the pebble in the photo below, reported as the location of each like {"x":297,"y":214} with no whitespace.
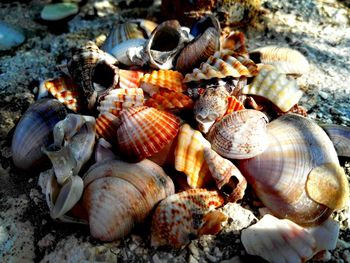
{"x":59,"y":11}
{"x":9,"y":36}
{"x":323,"y":95}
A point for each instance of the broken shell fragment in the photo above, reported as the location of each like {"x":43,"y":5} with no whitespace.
{"x":235,"y":41}
{"x":340,"y":137}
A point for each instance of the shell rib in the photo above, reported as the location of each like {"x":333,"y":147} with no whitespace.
{"x":340,"y":137}
{"x":107,"y":125}
{"x":280,"y":174}
{"x":169,"y":100}
{"x":184,"y":216}
{"x":130,"y":78}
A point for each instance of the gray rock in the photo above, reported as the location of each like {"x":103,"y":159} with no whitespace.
{"x":239,"y":217}
{"x":9,"y":36}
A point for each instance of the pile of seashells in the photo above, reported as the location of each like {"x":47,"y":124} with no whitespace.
{"x":198,"y":104}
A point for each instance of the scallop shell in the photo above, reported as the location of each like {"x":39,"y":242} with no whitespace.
{"x":130,"y":78}
{"x":240,"y":135}
{"x":235,"y":41}
{"x":285,"y":60}
{"x":340,"y":136}
{"x":119,"y":195}
{"x":145,"y":131}
{"x":65,"y":91}
{"x":166,"y":79}
{"x":119,"y":99}
{"x":275,"y":87}
{"x":221,"y":65}
{"x":184,"y":216}
{"x":189,"y":156}
{"x":34,"y":131}
{"x":233,"y":105}
{"x":280,"y":175}
{"x":169,"y":100}
{"x":91,"y":65}
{"x":107,"y":125}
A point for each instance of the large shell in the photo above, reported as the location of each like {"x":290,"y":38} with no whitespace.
{"x":285,"y":60}
{"x":221,"y":65}
{"x":130,"y":78}
{"x":65,"y":91}
{"x":280,"y":175}
{"x":189,"y":156}
{"x":240,"y":135}
{"x":34,"y":131}
{"x":169,"y":100}
{"x":208,"y":21}
{"x":184,"y":216}
{"x":284,"y":241}
{"x":144,"y":131}
{"x":165,"y":79}
{"x":340,"y":136}
{"x":119,"y":195}
{"x":276,"y":87}
{"x":90,"y":65}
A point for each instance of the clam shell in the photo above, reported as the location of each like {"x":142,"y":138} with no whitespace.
{"x":182,"y":217}
{"x":208,"y":21}
{"x":221,"y":65}
{"x":285,"y":60}
{"x":280,"y":174}
{"x":189,"y":156}
{"x":165,"y":79}
{"x":340,"y":137}
{"x":145,"y":131}
{"x":130,"y":78}
{"x":34,"y":131}
{"x":106,"y":127}
{"x":103,"y":151}
{"x":240,"y":135}
{"x":169,"y":100}
{"x":235,"y":41}
{"x":275,"y":87}
{"x":119,"y":195}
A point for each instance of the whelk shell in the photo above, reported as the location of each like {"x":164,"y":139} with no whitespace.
{"x":186,"y":215}
{"x":298,"y":170}
{"x":340,"y":136}
{"x":169,"y":100}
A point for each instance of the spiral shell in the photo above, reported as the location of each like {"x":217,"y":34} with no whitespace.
{"x":169,"y":100}
{"x":340,"y":137}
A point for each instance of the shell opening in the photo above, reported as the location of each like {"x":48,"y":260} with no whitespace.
{"x":171,"y":35}
{"x":104,"y":74}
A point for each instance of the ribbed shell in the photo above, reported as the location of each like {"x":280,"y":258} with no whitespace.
{"x":240,"y":135}
{"x":340,"y":137}
{"x":34,"y":131}
{"x":65,"y":91}
{"x":144,"y":131}
{"x":169,"y":100}
{"x":189,"y":156}
{"x":107,"y":125}
{"x":180,"y":217}
{"x":234,"y":105}
{"x":279,"y":175}
{"x":119,"y":195}
{"x":130,"y":78}
{"x":221,"y":65}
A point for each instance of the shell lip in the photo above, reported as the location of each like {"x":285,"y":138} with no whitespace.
{"x":203,"y":24}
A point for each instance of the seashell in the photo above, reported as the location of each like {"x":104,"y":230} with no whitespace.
{"x":233,"y":105}
{"x":189,"y":156}
{"x":91,"y":65}
{"x":106,"y":127}
{"x":130,"y":52}
{"x":65,"y":91}
{"x":166,"y":41}
{"x":118,"y":99}
{"x":340,"y":137}
{"x":184,"y":216}
{"x":208,"y":21}
{"x":119,"y":195}
{"x":130,"y":78}
{"x":227,"y":176}
{"x":278,"y":240}
{"x":103,"y":151}
{"x":198,"y":50}
{"x":284,"y":175}
{"x":210,"y":106}
{"x":275,"y":87}
{"x":221,"y":65}
{"x":144,"y":131}
{"x":169,"y":100}
{"x":34,"y":131}
{"x":240,"y":135}
{"x":235,"y":41}
{"x":285,"y":60}
{"x":165,"y":79}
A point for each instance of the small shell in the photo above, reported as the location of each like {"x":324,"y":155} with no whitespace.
{"x":183,"y":216}
{"x":233,"y":105}
{"x":166,"y":79}
{"x":91,"y":65}
{"x":169,"y":100}
{"x":221,"y":65}
{"x":106,"y":127}
{"x":189,"y":156}
{"x":240,"y":135}
{"x":119,"y":195}
{"x":130,"y":78}
{"x":145,"y":131}
{"x":285,"y":60}
{"x":340,"y":136}
{"x":275,"y":87}
{"x":235,"y":41}
{"x":119,"y":99}
{"x":66,"y":92}
{"x":34,"y":131}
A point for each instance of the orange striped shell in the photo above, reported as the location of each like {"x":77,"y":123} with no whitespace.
{"x":129,"y":78}
{"x":233,"y":105}
{"x":184,"y":215}
{"x":145,"y":131}
{"x":66,"y":91}
{"x":166,"y":79}
{"x":106,"y":127}
{"x":169,"y":100}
